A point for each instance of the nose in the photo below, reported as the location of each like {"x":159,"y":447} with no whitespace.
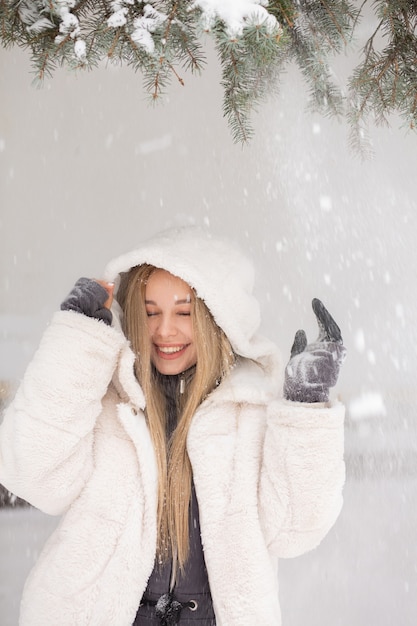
{"x":166,"y":327}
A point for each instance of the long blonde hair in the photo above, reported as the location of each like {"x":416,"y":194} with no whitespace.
{"x":215,"y":358}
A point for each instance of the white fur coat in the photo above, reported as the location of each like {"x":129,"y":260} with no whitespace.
{"x":268,"y":476}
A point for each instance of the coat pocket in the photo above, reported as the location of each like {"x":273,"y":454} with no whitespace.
{"x":78,"y":553}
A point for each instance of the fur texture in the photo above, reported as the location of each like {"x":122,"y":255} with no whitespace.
{"x":268,"y":473}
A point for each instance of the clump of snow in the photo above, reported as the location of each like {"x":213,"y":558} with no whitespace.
{"x":118,"y":18}
{"x":145,"y":25}
{"x":80,"y":49}
{"x":143,"y":38}
{"x":368,"y":404}
{"x":69,"y":25}
{"x":236,"y":14}
{"x":36,"y":22}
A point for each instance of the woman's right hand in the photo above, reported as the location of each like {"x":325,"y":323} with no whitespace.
{"x":92,"y":298}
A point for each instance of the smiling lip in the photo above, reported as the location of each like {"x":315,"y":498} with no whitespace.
{"x":170,"y":352}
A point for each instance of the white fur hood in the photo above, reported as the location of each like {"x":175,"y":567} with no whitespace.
{"x":220,"y":274}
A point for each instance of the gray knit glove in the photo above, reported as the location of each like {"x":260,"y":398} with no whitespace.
{"x":314,"y":368}
{"x":88,"y":297}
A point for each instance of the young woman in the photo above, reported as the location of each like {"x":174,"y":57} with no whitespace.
{"x":151,"y":419}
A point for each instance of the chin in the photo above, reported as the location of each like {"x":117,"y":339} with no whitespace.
{"x":171,"y":369}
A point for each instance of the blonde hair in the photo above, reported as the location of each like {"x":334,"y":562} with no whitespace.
{"x":215,"y":358}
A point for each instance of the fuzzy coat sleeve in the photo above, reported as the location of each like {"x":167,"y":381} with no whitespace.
{"x":46,"y":437}
{"x":302,"y":475}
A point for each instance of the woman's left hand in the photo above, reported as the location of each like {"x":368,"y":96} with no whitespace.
{"x":314,"y":368}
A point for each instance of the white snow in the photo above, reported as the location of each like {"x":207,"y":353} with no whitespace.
{"x":371,"y":357}
{"x":287,"y":292}
{"x":368,"y":404}
{"x":236,"y":14}
{"x":118,"y":18}
{"x":69,"y":21}
{"x":143,"y":38}
{"x":326,"y":203}
{"x":69,"y":25}
{"x":359,"y":340}
{"x":80,"y":49}
{"x":146,"y":25}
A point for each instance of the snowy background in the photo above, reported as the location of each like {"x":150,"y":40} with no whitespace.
{"x":88,"y":169}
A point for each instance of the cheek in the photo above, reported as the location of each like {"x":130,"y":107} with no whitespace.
{"x":188,"y":328}
{"x":150,"y":328}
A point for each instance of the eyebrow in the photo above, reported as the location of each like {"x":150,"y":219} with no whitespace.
{"x":184,"y":301}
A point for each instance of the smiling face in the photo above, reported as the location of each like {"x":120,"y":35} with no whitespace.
{"x":168,"y":301}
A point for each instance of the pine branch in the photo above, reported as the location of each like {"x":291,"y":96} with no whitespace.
{"x":160,"y":37}
{"x":385,"y":81}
